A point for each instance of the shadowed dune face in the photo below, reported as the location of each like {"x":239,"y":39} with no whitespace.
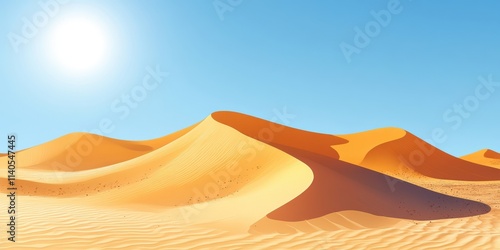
{"x":340,"y":186}
{"x":330,"y":222}
{"x":389,"y":150}
{"x":277,"y":134}
{"x":491,"y":154}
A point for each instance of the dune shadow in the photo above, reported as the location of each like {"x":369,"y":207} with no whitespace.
{"x":491,"y":154}
{"x":340,"y":186}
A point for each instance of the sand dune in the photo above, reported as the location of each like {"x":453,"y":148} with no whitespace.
{"x":280,"y":135}
{"x":485,"y":157}
{"x":83,"y":151}
{"x":234,"y":181}
{"x":368,"y":191}
{"x":209,"y":162}
{"x":399,"y":153}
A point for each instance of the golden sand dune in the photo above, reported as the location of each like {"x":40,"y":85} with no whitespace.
{"x":485,"y":157}
{"x":210,"y":185}
{"x":209,"y":162}
{"x":83,"y":151}
{"x":399,"y":153}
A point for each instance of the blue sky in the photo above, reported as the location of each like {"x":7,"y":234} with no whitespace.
{"x":256,"y":57}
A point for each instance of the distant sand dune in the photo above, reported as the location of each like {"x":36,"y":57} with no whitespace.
{"x":485,"y":157}
{"x":400,"y":153}
{"x":83,"y":151}
{"x":491,"y":154}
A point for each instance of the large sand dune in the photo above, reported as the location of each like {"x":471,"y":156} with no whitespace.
{"x":210,"y":185}
{"x":340,"y":186}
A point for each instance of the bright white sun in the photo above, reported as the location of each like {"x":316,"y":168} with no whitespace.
{"x":78,"y":44}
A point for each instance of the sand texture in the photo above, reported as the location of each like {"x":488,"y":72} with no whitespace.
{"x":234,"y":181}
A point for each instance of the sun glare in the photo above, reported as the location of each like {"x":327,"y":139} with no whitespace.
{"x":78,"y":44}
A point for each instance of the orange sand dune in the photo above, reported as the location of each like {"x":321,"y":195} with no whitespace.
{"x":340,"y":186}
{"x":277,"y":134}
{"x":390,"y":150}
{"x":83,"y":151}
{"x":491,"y":154}
{"x":485,"y":157}
{"x":400,"y":153}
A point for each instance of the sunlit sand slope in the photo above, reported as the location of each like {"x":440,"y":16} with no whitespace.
{"x":485,"y":157}
{"x":200,"y":176}
{"x":83,"y":151}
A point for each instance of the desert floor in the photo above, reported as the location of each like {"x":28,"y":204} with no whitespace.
{"x":48,"y":223}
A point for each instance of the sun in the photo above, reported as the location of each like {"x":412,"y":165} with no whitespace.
{"x":78,"y":44}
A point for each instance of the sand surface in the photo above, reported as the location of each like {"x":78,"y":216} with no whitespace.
{"x":234,"y":181}
{"x":485,"y":157}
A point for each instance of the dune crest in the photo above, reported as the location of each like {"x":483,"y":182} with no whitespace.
{"x":277,"y":134}
{"x":360,"y":144}
{"x":408,"y":156}
{"x":84,"y":151}
{"x":486,"y":157}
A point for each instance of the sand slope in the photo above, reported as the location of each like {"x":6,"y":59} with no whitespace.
{"x":83,"y":151}
{"x":399,"y":153}
{"x":189,"y":176}
{"x":485,"y":157}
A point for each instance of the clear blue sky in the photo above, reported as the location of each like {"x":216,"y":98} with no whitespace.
{"x":261,"y":56}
